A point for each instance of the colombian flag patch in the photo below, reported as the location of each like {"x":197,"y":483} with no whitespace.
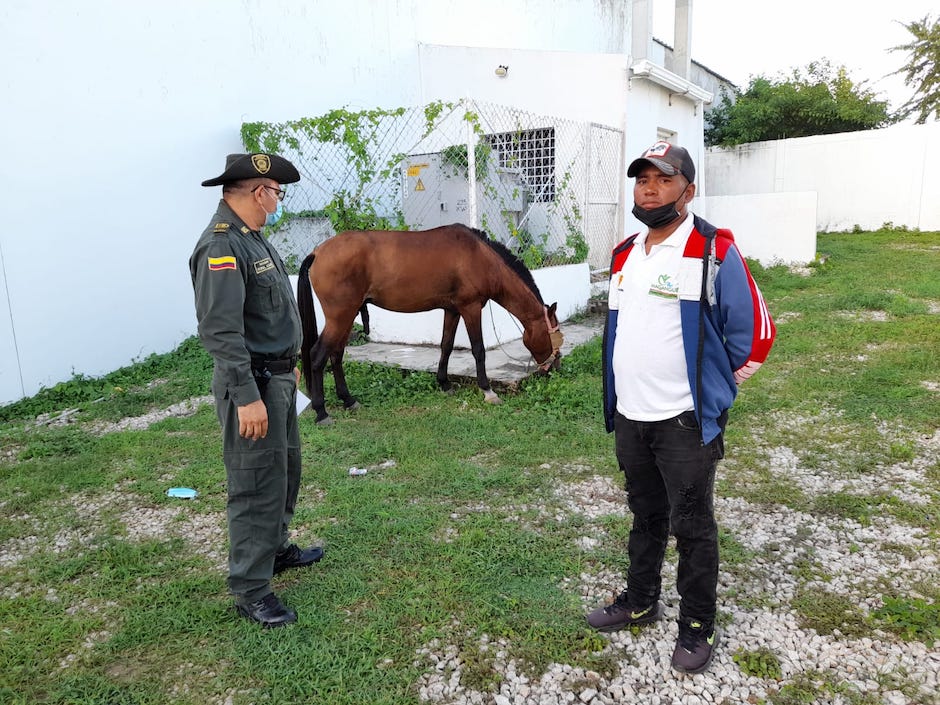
{"x":218,"y":263}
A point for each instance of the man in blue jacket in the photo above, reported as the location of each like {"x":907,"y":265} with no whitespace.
{"x":686,"y":325}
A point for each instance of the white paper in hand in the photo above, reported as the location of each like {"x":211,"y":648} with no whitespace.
{"x":303,"y":402}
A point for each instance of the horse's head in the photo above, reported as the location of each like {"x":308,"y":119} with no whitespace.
{"x":544,"y":340}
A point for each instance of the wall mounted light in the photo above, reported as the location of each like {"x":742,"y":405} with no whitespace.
{"x":502,"y":71}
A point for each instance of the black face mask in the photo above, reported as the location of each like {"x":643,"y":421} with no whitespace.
{"x":655,"y":218}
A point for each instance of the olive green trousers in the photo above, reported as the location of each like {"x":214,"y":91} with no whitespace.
{"x":263,"y":479}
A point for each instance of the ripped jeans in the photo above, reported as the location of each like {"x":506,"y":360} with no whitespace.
{"x":670,"y":480}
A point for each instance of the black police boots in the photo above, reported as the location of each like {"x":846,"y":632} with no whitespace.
{"x":294,"y":557}
{"x":268,"y":611}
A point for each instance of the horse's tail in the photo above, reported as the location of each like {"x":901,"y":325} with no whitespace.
{"x":308,"y":315}
{"x":364,"y":315}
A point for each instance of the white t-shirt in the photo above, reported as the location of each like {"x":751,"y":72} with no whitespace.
{"x":650,"y":373}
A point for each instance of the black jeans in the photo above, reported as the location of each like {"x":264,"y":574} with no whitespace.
{"x":670,"y":481}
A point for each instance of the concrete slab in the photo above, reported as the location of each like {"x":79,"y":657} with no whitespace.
{"x":506,"y":364}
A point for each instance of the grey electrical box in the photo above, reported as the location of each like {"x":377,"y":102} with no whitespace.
{"x":435,"y":193}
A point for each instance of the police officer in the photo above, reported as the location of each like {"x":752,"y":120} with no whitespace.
{"x":249,"y":324}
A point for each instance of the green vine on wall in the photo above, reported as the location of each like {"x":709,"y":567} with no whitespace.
{"x":357,"y":134}
{"x":457,"y":158}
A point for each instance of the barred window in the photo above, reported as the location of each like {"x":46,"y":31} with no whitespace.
{"x":533,"y":153}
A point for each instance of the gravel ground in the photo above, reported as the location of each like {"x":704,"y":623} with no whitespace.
{"x":205,"y":533}
{"x":858,"y":562}
{"x":855,"y":561}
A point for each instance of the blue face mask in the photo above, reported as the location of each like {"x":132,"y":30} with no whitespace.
{"x":272,"y":218}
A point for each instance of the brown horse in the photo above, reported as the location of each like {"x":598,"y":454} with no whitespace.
{"x":453,"y":267}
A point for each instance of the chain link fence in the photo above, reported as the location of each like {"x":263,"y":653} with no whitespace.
{"x":547,"y":188}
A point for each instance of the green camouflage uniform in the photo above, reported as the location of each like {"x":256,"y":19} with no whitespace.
{"x":247,"y":312}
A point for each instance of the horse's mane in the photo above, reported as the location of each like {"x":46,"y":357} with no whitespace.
{"x":513,"y":262}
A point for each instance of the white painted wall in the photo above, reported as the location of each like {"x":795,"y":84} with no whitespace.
{"x":115,"y":111}
{"x":9,"y":369}
{"x":863,"y":179}
{"x":594,"y":83}
{"x":650,"y":112}
{"x":769,"y":227}
{"x":598,"y":88}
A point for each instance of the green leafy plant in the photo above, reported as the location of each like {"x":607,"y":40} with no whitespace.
{"x":761,"y":663}
{"x":456,"y":157}
{"x":348,"y":211}
{"x":922,"y":70}
{"x":827,"y":612}
{"x":818,"y":99}
{"x":911,"y":618}
{"x":358,"y":135}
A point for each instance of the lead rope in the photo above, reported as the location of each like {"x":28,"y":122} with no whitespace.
{"x":528,"y":362}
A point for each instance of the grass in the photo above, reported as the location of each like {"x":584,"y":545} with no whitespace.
{"x":110,"y":595}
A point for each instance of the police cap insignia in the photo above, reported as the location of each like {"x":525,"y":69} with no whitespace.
{"x":261,"y":162}
{"x":251,"y":166}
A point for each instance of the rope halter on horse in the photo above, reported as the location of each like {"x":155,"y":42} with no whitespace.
{"x":557,"y":338}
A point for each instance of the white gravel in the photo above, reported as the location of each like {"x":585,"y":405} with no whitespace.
{"x":137,"y":517}
{"x":851,"y":560}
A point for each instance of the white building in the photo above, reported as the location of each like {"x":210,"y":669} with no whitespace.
{"x":115,"y":111}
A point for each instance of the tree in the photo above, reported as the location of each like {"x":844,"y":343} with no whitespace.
{"x":815,"y":100}
{"x":922,"y":71}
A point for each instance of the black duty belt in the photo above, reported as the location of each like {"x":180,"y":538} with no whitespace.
{"x":273,"y":367}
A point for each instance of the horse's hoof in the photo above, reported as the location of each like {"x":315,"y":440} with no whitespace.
{"x":491,"y":397}
{"x":352,"y":407}
{"x":325,"y":421}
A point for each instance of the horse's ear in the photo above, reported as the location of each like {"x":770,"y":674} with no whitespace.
{"x":551,"y":309}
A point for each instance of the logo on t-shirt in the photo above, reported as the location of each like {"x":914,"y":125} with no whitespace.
{"x":664,"y":288}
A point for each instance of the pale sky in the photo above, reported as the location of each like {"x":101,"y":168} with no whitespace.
{"x":742,"y":38}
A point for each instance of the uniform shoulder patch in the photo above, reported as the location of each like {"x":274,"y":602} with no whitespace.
{"x":217,"y":264}
{"x":220,"y":227}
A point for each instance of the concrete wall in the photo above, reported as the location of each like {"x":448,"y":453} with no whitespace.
{"x":595,"y":83}
{"x":115,"y":111}
{"x":863,"y":179}
{"x":772,"y":228}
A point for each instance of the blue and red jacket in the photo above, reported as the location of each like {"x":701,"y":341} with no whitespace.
{"x":725,"y":341}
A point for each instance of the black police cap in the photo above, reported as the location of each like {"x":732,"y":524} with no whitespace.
{"x":255,"y":165}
